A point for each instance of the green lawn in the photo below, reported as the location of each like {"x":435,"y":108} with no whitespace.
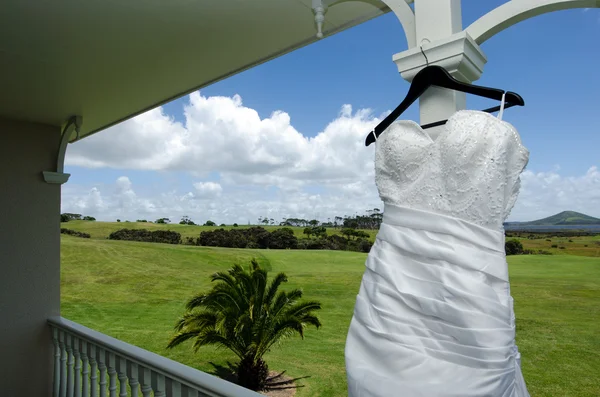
{"x":135,"y":292}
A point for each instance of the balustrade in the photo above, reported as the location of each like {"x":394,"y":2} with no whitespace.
{"x":88,"y":363}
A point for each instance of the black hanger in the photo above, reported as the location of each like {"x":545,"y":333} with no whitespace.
{"x":437,"y":76}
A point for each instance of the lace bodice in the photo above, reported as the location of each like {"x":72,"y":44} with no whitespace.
{"x":471,"y":171}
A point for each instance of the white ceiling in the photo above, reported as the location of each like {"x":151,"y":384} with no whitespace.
{"x":108,"y":60}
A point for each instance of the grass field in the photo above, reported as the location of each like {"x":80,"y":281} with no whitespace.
{"x":103,"y":229}
{"x":135,"y":292}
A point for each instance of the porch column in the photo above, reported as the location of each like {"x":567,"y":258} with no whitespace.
{"x":29,"y":258}
{"x":440,"y":40}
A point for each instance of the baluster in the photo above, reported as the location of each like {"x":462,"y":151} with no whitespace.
{"x":146,"y":381}
{"x":112,"y":374}
{"x":158,"y":384}
{"x":56,"y":363}
{"x":174,"y":387}
{"x":102,"y":367}
{"x":77,"y":356}
{"x":70,"y":375}
{"x":132,"y":372}
{"x":86,"y":370}
{"x":192,"y":392}
{"x":63,"y":365}
{"x":122,"y":375}
{"x":93,"y":371}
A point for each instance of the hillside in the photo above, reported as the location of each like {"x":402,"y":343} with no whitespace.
{"x":562,"y":219}
{"x":101,"y":230}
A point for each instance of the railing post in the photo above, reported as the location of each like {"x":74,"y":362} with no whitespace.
{"x":56,"y":363}
{"x":63,"y":365}
{"x":77,"y":357}
{"x":86,"y":371}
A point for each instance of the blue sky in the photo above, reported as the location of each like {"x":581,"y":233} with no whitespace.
{"x":550,"y":60}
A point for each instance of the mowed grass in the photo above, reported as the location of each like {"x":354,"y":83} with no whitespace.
{"x":136,"y":291}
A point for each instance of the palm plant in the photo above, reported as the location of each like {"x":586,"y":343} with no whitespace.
{"x":245,"y":314}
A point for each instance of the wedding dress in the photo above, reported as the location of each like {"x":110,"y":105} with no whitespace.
{"x":434,"y":315}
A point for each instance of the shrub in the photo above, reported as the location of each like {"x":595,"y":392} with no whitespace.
{"x":513,"y":247}
{"x":248,"y":315}
{"x":283,"y":239}
{"x":156,"y":236}
{"x":561,"y":247}
{"x":74,"y":233}
{"x":554,"y":246}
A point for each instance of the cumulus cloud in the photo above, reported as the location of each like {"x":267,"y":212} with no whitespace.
{"x":208,"y":189}
{"x":221,"y":135}
{"x":264,"y":167}
{"x":546,"y":193}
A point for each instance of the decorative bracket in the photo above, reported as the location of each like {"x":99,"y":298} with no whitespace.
{"x":319,"y":9}
{"x":58,"y":176}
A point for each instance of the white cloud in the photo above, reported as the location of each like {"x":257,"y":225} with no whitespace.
{"x":208,"y":189}
{"x":547,"y":193}
{"x":265,"y":167}
{"x":221,"y":135}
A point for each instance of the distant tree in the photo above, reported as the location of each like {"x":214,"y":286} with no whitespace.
{"x":319,"y":231}
{"x":235,"y":225}
{"x":513,"y":247}
{"x":313,"y":223}
{"x":337,"y":221}
{"x":247,"y":315}
{"x":163,"y":220}
{"x":118,"y":220}
{"x":142,"y":220}
{"x":222,"y":225}
{"x":210,"y":223}
{"x":89,"y":218}
{"x":272,"y":221}
{"x":308,"y":231}
{"x":347,"y":232}
{"x":185,"y":220}
{"x":70,"y":217}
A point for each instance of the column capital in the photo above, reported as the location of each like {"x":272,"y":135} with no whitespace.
{"x":459,"y":54}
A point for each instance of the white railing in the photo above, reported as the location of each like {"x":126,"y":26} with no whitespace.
{"x":88,"y":363}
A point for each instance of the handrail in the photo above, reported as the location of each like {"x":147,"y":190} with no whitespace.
{"x":192,"y":378}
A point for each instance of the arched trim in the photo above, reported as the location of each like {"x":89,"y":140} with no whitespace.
{"x":403,"y":12}
{"x":515,"y":11}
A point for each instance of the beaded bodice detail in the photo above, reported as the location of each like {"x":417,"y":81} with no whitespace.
{"x":470,"y":172}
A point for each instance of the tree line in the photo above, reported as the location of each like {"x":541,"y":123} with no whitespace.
{"x":370,"y":220}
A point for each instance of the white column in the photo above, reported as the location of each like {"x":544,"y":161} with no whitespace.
{"x":437,"y":20}
{"x":439,"y":35}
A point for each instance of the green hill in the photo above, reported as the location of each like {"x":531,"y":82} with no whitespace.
{"x":563,"y":218}
{"x":101,"y":230}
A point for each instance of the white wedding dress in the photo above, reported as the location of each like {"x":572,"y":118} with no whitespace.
{"x":434,"y":316}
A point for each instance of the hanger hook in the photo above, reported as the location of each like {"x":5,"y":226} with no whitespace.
{"x":423,"y":52}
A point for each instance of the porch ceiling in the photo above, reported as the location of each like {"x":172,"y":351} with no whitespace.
{"x":109,"y":60}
